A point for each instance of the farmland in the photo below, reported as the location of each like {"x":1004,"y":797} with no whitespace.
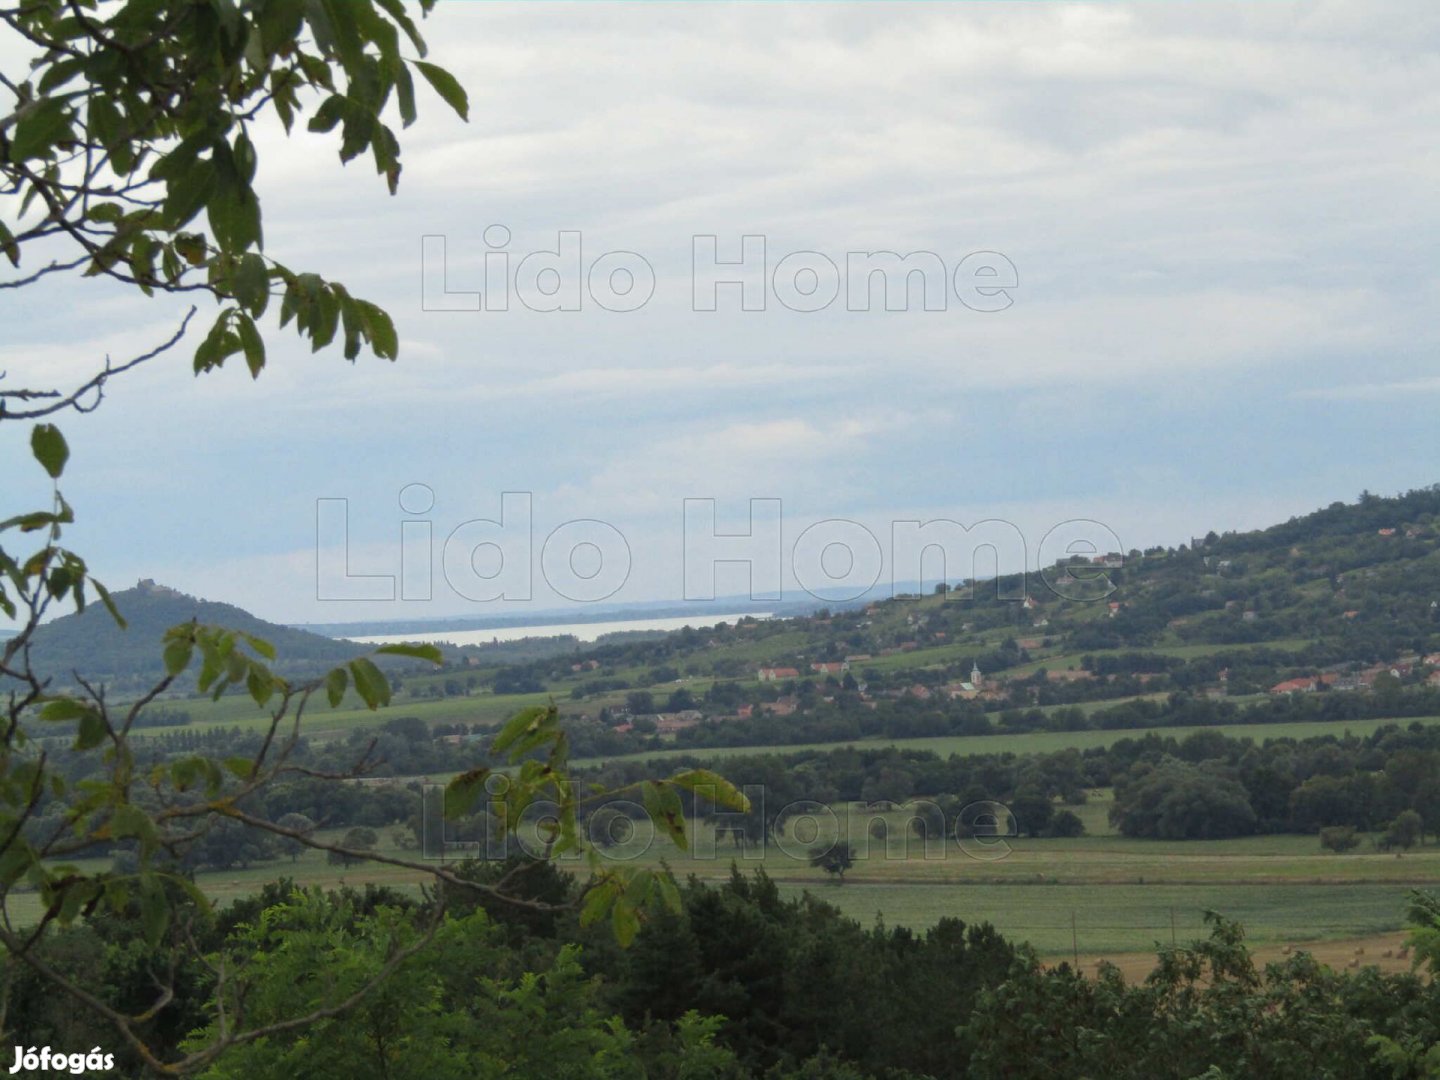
{"x":1101,"y":893}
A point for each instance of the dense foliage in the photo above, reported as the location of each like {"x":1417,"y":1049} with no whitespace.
{"x":738,"y":981}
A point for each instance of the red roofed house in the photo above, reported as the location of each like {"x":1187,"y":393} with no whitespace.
{"x":775,"y":674}
{"x":1294,"y":686}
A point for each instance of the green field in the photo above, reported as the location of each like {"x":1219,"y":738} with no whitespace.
{"x":1122,"y":895}
{"x":1100,"y":893}
{"x":321,"y":722}
{"x":1049,"y":741}
{"x":1122,"y":919}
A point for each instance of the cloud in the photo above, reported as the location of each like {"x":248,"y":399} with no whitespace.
{"x":1371,"y":391}
{"x":1220,"y":213}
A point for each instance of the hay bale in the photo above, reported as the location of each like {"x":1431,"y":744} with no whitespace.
{"x":1353,"y":963}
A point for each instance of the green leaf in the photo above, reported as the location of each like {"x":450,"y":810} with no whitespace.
{"x":328,"y":115}
{"x":39,"y":129}
{"x":251,"y":284}
{"x":240,"y":767}
{"x":62,"y":709}
{"x":260,"y":645}
{"x":598,"y":901}
{"x":190,"y":889}
{"x":712,"y":786}
{"x":405,"y":94}
{"x":128,"y":821}
{"x":447,"y":86}
{"x":108,"y":212}
{"x":526,"y":722}
{"x":383,"y":338}
{"x":662,"y":803}
{"x":109,"y":603}
{"x":669,"y":892}
{"x":462,"y":793}
{"x":32,"y":522}
{"x":625,"y":922}
{"x":93,"y":731}
{"x":50,"y":449}
{"x":233,"y":209}
{"x":15,"y":860}
{"x":418,"y":652}
{"x":73,"y":897}
{"x":191,"y":248}
{"x":177,"y":655}
{"x":245,"y":158}
{"x":335,"y":685}
{"x":219,"y":342}
{"x":396,"y":10}
{"x":8,"y":245}
{"x":370,"y":683}
{"x":187,"y":194}
{"x":260,"y":683}
{"x":154,"y":911}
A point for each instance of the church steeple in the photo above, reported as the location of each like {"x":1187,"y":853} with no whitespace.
{"x":975,"y":677}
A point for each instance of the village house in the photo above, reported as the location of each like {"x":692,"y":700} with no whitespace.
{"x":669,"y":723}
{"x":1304,"y":685}
{"x":784,"y":706}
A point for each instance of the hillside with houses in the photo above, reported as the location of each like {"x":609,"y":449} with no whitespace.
{"x":1333,"y":615}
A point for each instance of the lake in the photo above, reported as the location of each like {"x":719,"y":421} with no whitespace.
{"x":586,"y":631}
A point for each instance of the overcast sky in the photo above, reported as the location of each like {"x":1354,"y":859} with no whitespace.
{"x":1222,"y":217}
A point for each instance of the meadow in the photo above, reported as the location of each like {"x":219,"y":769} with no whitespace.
{"x":1049,"y":741}
{"x":1100,"y":894}
{"x":1096,"y":895}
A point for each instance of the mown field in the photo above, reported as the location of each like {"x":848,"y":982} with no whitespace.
{"x":1100,"y":894}
{"x":1096,"y":895}
{"x":1050,"y":741}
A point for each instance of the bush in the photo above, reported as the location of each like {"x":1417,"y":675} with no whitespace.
{"x":1339,"y":838}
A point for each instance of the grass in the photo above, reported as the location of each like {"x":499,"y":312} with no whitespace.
{"x":321,"y":721}
{"x":1043,"y":741}
{"x":1059,"y":662}
{"x":1121,"y":894}
{"x":1119,"y":918}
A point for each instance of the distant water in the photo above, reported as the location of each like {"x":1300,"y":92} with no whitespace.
{"x":588,"y":631}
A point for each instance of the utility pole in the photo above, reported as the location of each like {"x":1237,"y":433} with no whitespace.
{"x":1074,"y":941}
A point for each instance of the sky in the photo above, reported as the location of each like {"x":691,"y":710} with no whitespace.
{"x":1214,"y":225}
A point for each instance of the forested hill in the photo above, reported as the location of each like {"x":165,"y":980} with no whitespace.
{"x":94,"y":645}
{"x":1365,"y":574}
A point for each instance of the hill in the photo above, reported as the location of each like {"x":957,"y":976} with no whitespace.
{"x":1333,"y":615}
{"x":90,"y":642}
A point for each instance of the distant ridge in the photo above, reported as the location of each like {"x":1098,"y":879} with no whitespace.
{"x":91,"y":642}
